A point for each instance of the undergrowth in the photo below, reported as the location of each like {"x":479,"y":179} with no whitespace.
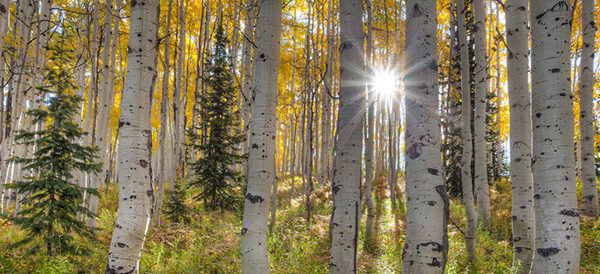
{"x":211,"y":242}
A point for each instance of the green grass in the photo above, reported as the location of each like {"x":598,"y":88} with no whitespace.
{"x":211,"y":243}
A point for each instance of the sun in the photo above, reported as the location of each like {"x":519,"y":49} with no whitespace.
{"x":385,"y":83}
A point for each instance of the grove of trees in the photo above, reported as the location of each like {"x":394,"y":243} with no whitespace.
{"x":340,"y":136}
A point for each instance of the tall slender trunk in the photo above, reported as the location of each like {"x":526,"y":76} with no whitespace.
{"x":465,"y":169}
{"x":347,"y":172}
{"x":104,"y":112}
{"x":481,"y":178}
{"x":557,"y":237}
{"x":520,"y":134}
{"x":136,"y":190}
{"x":499,"y":152}
{"x":178,"y":110}
{"x":427,"y":201}
{"x":589,"y":186}
{"x":326,"y":116}
{"x":248,"y":83}
{"x":370,"y":138}
{"x":164,"y":116}
{"x":261,"y":169}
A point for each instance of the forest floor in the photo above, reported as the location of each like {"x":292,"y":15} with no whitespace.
{"x":211,"y":243}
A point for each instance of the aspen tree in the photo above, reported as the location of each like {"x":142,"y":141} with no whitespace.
{"x":369,"y":150}
{"x":104,"y":112}
{"x":164,"y":116}
{"x":136,"y":191}
{"x":347,"y":172}
{"x":520,"y":133}
{"x":557,"y":237}
{"x":178,"y":110}
{"x":427,"y":202}
{"x":89,"y":108}
{"x":480,"y":72}
{"x":589,"y":190}
{"x":248,"y":82}
{"x":467,"y":185}
{"x":261,"y":169}
{"x":326,"y":116}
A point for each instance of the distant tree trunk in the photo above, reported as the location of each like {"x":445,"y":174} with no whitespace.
{"x":178,"y":110}
{"x":4,"y":22}
{"x":369,"y":142}
{"x":261,"y":169}
{"x":467,"y":184}
{"x":164,"y":116}
{"x":104,"y":113}
{"x":589,"y":190}
{"x":481,"y":178}
{"x":248,"y":83}
{"x":520,"y":134}
{"x":499,"y":152}
{"x":347,"y":173}
{"x":135,"y":144}
{"x":89,"y":114}
{"x":427,"y":201}
{"x":557,"y":237}
{"x":326,"y":116}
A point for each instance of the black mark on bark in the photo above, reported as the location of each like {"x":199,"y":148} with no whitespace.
{"x":569,"y":212}
{"x":254,"y":199}
{"x":414,"y":151}
{"x":547,"y":252}
{"x":416,"y":12}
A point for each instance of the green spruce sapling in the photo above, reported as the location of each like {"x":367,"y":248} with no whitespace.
{"x":219,"y":184}
{"x":177,"y":210}
{"x":50,"y":210}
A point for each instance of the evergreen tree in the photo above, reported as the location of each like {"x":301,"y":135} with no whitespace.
{"x":214,"y":176}
{"x":50,"y":210}
{"x":177,"y":210}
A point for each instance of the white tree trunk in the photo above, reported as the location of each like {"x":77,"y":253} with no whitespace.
{"x":85,"y":178}
{"x":178,"y":110}
{"x":481,"y":178}
{"x":369,"y":150}
{"x":135,"y":143}
{"x":248,"y":83}
{"x":465,"y":169}
{"x":520,"y":134}
{"x":162,"y":143}
{"x":557,"y":237}
{"x":261,"y":169}
{"x":589,"y":187}
{"x":347,"y":173}
{"x":427,"y":202}
{"x":113,"y":56}
{"x":104,"y":112}
{"x":326,"y":116}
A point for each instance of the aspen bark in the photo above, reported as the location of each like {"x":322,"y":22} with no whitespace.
{"x":164,"y":116}
{"x":481,"y":178}
{"x":136,"y":191}
{"x":465,"y":169}
{"x":369,"y":150}
{"x":179,"y":89}
{"x":248,"y":83}
{"x":589,"y":186}
{"x":520,"y":134}
{"x":557,"y":237}
{"x":104,"y":112}
{"x":427,"y":202}
{"x":261,"y":169}
{"x":347,"y":171}
{"x":326,"y":115}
